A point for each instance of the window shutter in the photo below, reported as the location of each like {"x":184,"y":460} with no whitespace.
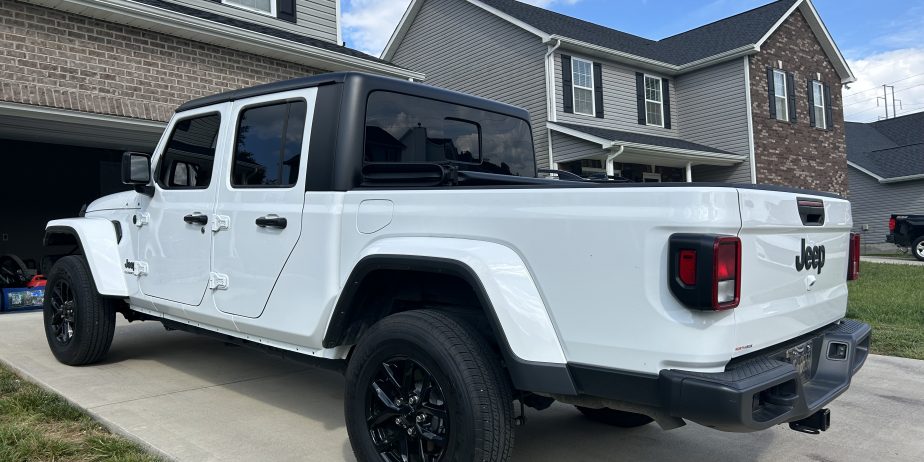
{"x":598,"y":89}
{"x":285,"y":10}
{"x":791,"y":97}
{"x":810,"y":88}
{"x":666,"y":98}
{"x":829,"y":112}
{"x":771,"y":92}
{"x":567,"y":92}
{"x":640,"y":97}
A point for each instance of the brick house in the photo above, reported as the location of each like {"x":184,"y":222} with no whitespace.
{"x":83,"y":80}
{"x":753,"y":98}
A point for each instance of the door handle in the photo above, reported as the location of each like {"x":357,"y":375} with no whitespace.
{"x":196,"y":219}
{"x":272,"y":221}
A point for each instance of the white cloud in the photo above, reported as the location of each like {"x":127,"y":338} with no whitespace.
{"x":903,"y":69}
{"x":368,"y":24}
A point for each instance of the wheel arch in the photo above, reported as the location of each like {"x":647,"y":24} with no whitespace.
{"x":521,"y":326}
{"x":98,"y":241}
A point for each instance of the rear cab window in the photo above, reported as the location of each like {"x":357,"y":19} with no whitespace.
{"x":409,"y":129}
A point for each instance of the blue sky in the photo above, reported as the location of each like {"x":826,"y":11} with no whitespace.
{"x":883,"y":40}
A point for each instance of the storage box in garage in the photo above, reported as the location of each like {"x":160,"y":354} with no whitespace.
{"x":22,"y":299}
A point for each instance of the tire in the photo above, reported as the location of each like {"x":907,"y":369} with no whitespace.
{"x":917,"y":248}
{"x":79,"y":322}
{"x":468,"y":387}
{"x":615,"y":418}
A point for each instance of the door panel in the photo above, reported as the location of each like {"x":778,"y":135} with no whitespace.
{"x":176,"y":241}
{"x":262,"y":194}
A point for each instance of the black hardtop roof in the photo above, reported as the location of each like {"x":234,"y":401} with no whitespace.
{"x":363,"y":81}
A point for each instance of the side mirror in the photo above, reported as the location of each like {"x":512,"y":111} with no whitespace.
{"x":136,"y":170}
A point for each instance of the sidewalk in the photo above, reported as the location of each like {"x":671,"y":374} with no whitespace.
{"x":910,"y":261}
{"x":194,"y":399}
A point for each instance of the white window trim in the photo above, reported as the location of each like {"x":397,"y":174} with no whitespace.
{"x":659,"y":103}
{"x":785,"y":95}
{"x":821,"y":96}
{"x":593,"y":99}
{"x":271,"y":13}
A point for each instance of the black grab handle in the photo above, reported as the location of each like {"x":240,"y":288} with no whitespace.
{"x":272,"y":222}
{"x":196,"y":219}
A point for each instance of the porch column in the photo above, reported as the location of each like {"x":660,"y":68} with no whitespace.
{"x":689,"y":172}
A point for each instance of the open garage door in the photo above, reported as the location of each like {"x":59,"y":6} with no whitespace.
{"x":52,"y":162}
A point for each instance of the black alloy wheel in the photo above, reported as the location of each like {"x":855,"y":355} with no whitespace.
{"x":406,"y":413}
{"x":63,"y":321}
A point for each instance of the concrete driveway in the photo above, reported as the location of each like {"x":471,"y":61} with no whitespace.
{"x":194,"y":399}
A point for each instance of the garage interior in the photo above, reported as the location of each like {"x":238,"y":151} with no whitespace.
{"x":52,"y":163}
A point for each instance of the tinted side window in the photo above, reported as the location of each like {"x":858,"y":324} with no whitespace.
{"x":269,"y":145}
{"x":407,"y":129}
{"x":190,"y":154}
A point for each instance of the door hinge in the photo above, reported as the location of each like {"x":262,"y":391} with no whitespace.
{"x":220,"y":222}
{"x":141,"y":219}
{"x":138,"y":268}
{"x":218,"y":281}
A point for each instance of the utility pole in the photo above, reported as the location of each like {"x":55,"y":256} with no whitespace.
{"x":885,"y":100}
{"x":894,"y":112}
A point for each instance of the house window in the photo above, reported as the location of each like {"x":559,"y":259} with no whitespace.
{"x":780,"y":92}
{"x":654,"y":104}
{"x":651,"y":177}
{"x":267,"y":7}
{"x":582,"y":74}
{"x":818,"y":104}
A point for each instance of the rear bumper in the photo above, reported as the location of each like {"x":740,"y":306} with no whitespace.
{"x":754,"y":393}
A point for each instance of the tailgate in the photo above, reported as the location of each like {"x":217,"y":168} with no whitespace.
{"x":793,"y":268}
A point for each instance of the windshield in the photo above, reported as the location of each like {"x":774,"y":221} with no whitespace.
{"x":408,"y":129}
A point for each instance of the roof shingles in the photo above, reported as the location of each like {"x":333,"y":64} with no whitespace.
{"x":889,"y":149}
{"x":728,"y":34}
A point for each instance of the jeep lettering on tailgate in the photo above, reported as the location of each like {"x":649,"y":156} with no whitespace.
{"x":812,"y":257}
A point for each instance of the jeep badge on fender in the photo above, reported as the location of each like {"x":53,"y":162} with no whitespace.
{"x":812,"y":257}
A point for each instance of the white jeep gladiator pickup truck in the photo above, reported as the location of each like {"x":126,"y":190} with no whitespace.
{"x":401,"y":233}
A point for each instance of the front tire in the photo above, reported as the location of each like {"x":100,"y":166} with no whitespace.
{"x":917,"y":248}
{"x":425,"y":386}
{"x":615,"y":418}
{"x":79,"y":322}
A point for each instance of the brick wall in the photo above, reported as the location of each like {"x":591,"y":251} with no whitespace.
{"x":797,"y":155}
{"x":62,"y":60}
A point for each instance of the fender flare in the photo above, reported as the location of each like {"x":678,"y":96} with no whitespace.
{"x":530,"y":346}
{"x":99,"y":242}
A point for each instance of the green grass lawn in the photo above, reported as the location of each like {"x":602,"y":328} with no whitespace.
{"x":891,"y":299}
{"x":39,"y":426}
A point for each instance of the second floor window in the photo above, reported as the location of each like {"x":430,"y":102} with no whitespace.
{"x":780,"y":92}
{"x":583,"y":86}
{"x":654,"y":102}
{"x":259,"y":6}
{"x":818,"y":104}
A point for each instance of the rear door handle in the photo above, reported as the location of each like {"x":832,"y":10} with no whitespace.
{"x":272,"y":221}
{"x":196,"y":218}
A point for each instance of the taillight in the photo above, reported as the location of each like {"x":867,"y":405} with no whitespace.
{"x":892,"y":225}
{"x":705,"y":270}
{"x":726,"y":291}
{"x":853,"y":259}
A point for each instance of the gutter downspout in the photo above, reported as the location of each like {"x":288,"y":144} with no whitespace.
{"x":610,"y":171}
{"x":551,"y":116}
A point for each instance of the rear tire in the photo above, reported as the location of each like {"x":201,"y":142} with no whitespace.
{"x":426,"y":385}
{"x":917,"y":248}
{"x":79,"y":322}
{"x":615,"y":418}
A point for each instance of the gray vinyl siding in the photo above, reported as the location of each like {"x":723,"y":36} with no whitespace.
{"x":567,"y":148}
{"x":314,"y":18}
{"x":461,"y":47}
{"x":873,"y":203}
{"x":620,"y":110}
{"x":713,"y":111}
